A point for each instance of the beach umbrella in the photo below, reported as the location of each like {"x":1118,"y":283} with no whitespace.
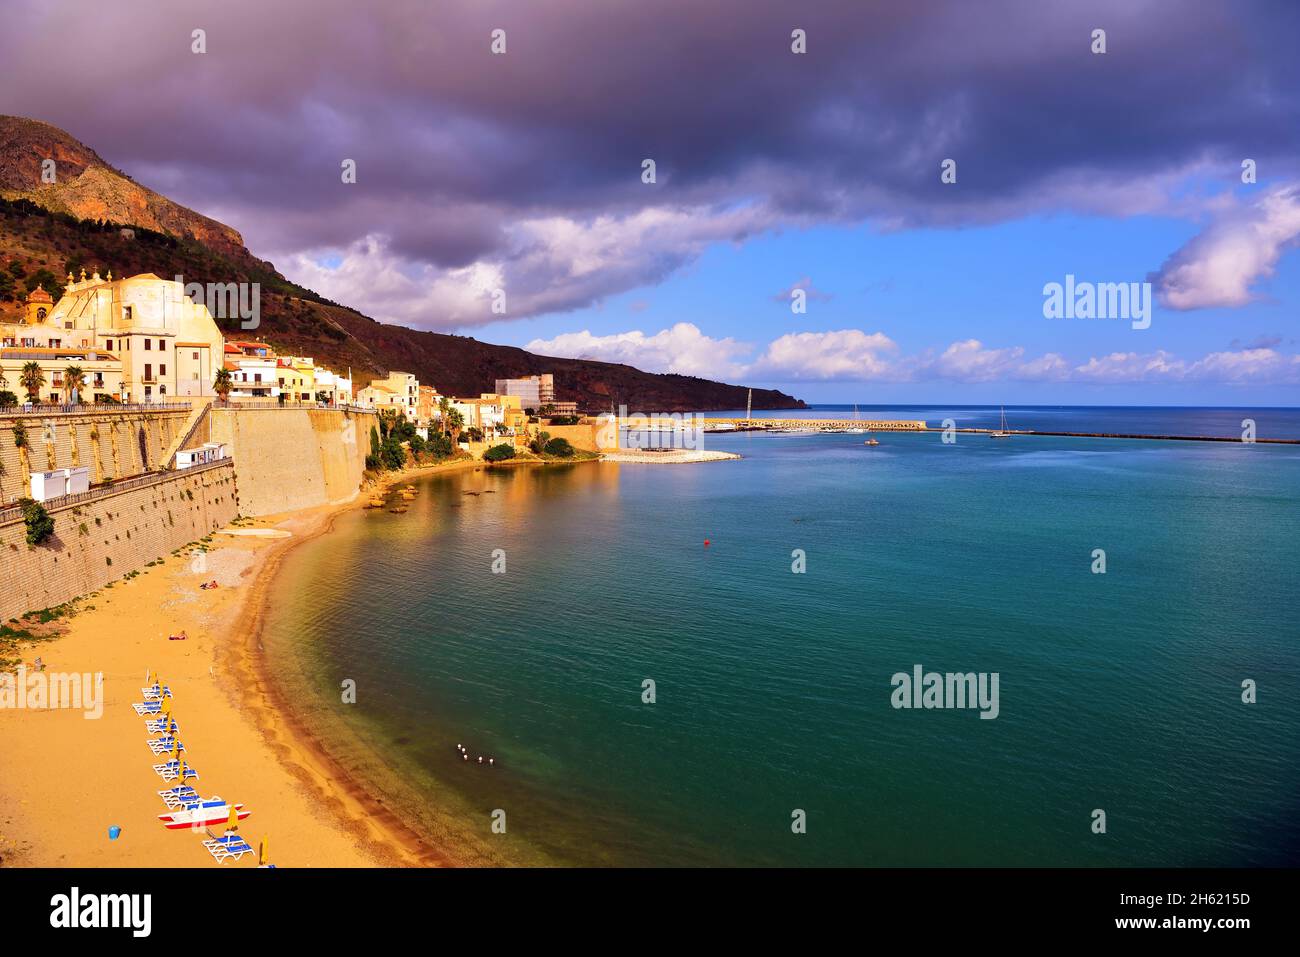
{"x":184,"y":772}
{"x":263,"y":853}
{"x":232,"y":822}
{"x":167,"y":706}
{"x":176,"y":751}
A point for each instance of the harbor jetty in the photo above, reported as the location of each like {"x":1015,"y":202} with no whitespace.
{"x":919,"y":425}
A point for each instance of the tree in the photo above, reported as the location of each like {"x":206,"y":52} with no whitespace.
{"x":499,"y":453}
{"x":538,"y":444}
{"x":74,"y":380}
{"x":7,"y":398}
{"x":559,"y":447}
{"x":223,"y":383}
{"x":439,"y":445}
{"x":455,"y":422}
{"x":393,"y":454}
{"x":40,"y":525}
{"x":444,"y":407}
{"x":33,"y":380}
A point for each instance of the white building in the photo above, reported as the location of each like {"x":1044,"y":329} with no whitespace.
{"x":400,"y":392}
{"x":254,"y":371}
{"x":334,"y":387}
{"x":48,"y":485}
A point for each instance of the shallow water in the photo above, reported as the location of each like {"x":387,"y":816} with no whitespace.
{"x":1118,"y":691}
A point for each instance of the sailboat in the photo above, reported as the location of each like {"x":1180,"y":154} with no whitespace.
{"x":856,"y":430}
{"x":1002,"y":432}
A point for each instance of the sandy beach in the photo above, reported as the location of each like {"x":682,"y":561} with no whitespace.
{"x":65,"y":779}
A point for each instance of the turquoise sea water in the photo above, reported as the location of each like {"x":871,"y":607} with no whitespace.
{"x":1118,"y":691}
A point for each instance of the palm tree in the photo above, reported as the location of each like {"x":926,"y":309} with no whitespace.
{"x":444,"y":407}
{"x":32,"y":379}
{"x":223,"y":383}
{"x":456,"y":422}
{"x":74,"y":380}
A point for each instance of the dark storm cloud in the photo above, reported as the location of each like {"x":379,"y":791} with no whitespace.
{"x":456,"y":148}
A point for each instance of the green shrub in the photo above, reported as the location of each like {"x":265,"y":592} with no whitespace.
{"x":40,"y":525}
{"x":392,"y":454}
{"x":439,"y":446}
{"x":561,"y":448}
{"x":499,"y":453}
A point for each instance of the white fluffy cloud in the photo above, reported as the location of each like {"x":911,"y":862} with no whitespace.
{"x":851,"y":355}
{"x":847,"y":354}
{"x":1219,"y":266}
{"x":549,"y":264}
{"x":683,"y":349}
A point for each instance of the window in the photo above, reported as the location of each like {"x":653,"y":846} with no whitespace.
{"x":162,"y":390}
{"x":162,"y":345}
{"x":126,"y":312}
{"x":40,"y":314}
{"x":110,"y":345}
{"x":148,"y":345}
{"x":162,"y":370}
{"x":196,"y":358}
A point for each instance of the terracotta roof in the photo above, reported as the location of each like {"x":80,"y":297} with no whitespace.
{"x":39,"y":295}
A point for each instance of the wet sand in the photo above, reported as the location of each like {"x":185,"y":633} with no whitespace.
{"x":65,"y":779}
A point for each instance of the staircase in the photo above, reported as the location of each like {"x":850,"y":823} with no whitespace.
{"x":196,"y":418}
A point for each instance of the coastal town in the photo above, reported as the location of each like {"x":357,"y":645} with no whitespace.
{"x":141,"y":342}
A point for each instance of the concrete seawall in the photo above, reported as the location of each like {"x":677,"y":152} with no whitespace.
{"x":113,"y":445}
{"x":292,"y":458}
{"x":114,"y":532}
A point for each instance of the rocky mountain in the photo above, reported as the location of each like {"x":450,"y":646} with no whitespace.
{"x":96,"y":216}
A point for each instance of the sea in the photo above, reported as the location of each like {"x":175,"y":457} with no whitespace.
{"x":682,"y":665}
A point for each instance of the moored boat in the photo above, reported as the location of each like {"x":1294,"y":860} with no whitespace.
{"x":198,"y":814}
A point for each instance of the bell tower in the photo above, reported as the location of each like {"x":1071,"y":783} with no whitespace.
{"x":37,"y":306}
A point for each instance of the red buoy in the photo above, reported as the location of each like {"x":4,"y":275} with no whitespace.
{"x":706,"y":543}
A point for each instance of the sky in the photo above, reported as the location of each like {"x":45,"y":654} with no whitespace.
{"x":878,"y":218}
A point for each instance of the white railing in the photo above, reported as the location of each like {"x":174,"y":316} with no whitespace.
{"x":30,"y":408}
{"x":10,"y":512}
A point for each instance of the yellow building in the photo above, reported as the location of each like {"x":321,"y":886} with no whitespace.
{"x":297,"y":376}
{"x":161,"y":343}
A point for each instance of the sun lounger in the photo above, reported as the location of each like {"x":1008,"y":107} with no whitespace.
{"x":155,"y":693}
{"x":163,"y":745}
{"x":147,"y":708}
{"x":162,"y":726}
{"x":171,"y":770}
{"x":179,"y":795}
{"x":227,"y":847}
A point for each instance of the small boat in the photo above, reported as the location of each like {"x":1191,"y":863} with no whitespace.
{"x":1002,"y":432}
{"x":871,"y":442}
{"x":197,"y":814}
{"x":855,"y":430}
